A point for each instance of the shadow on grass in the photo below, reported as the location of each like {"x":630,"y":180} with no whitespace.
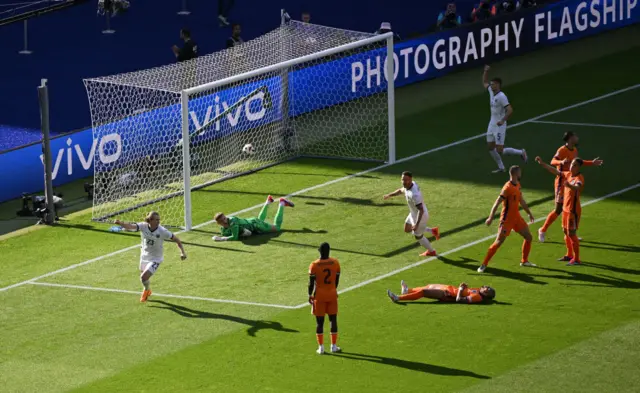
{"x":411,"y":365}
{"x":574,"y":273}
{"x":254,"y":326}
{"x":603,"y":246}
{"x":484,"y":303}
{"x":472,"y":266}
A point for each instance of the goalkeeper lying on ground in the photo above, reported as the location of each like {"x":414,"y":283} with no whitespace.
{"x":233,"y":228}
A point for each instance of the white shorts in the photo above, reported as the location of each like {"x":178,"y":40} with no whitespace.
{"x":422,"y":226}
{"x":497,"y":134}
{"x":150,"y":266}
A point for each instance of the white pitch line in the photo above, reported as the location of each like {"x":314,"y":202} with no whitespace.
{"x":602,"y":97}
{"x":207,"y":299}
{"x":462,"y":247}
{"x":563,"y":123}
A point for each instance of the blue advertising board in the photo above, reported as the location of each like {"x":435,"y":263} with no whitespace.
{"x":319,"y":86}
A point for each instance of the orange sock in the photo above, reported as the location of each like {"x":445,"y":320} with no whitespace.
{"x":576,"y":247}
{"x":412,"y":296}
{"x":334,"y":338}
{"x":492,"y":251}
{"x":568,"y":243}
{"x":320,"y":338}
{"x":526,"y":248}
{"x":550,"y":219}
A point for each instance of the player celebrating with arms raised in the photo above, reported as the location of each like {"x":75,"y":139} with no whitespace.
{"x":232,"y":228}
{"x":324,"y":276}
{"x":573,"y":183}
{"x":416,"y":221}
{"x":501,"y":111}
{"x":444,"y":293}
{"x":510,"y":218}
{"x":153,"y":236}
{"x":562,"y":160}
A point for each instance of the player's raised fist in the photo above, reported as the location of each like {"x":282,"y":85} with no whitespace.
{"x":538,"y":159}
{"x":487,"y":68}
{"x":597,"y":161}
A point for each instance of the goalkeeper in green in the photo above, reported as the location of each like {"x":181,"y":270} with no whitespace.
{"x":233,"y":228}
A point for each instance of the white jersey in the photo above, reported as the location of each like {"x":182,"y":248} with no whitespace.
{"x":152,"y":242}
{"x":498,"y":103}
{"x":414,"y":199}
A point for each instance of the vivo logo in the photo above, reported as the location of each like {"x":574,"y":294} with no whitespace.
{"x":109,"y":150}
{"x":234,"y":116}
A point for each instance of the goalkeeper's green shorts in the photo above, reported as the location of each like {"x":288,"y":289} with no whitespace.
{"x":259,"y":226}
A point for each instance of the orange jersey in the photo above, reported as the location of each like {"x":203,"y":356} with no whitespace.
{"x":472,"y":294}
{"x":325,"y":272}
{"x":510,"y":202}
{"x":564,"y":153}
{"x":571,"y":202}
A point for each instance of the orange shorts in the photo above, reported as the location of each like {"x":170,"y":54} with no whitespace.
{"x":512,"y":225}
{"x":321,"y":307}
{"x":570,"y":221}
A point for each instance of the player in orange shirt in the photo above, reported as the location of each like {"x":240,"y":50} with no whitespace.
{"x":444,"y":293}
{"x":573,"y":183}
{"x":510,"y":218}
{"x":562,"y":160}
{"x":324,"y":276}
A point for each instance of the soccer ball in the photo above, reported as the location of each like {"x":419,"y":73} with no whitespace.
{"x":248,"y":149}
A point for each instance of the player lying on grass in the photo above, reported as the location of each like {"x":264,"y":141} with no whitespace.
{"x":510,"y":218}
{"x":152,"y":254}
{"x":573,"y":183}
{"x":416,"y":221}
{"x":562,"y":160}
{"x":444,"y":293}
{"x":233,"y":228}
{"x":324,"y":277}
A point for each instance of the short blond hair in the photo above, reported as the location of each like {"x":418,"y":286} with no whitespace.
{"x":151,"y":214}
{"x":218,"y":215}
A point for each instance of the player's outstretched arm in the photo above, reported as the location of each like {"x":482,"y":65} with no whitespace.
{"x":595,"y":162}
{"x":492,"y":213}
{"x":548,"y":167}
{"x":392,"y":194}
{"x":485,"y":77}
{"x":127,"y":226}
{"x":176,"y":239}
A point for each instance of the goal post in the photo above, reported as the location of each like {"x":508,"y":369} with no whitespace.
{"x":301,"y":90}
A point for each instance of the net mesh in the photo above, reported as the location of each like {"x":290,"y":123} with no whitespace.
{"x":285,"y":112}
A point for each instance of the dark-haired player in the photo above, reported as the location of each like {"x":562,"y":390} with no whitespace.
{"x":501,"y":111}
{"x":510,"y":218}
{"x":561,"y":161}
{"x":324,"y":276}
{"x":444,"y":293}
{"x":573,"y":184}
{"x":416,"y":221}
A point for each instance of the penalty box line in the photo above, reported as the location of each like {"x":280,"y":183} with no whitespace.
{"x":166,"y":295}
{"x":462,"y":247}
{"x":305,"y":190}
{"x":564,"y":123}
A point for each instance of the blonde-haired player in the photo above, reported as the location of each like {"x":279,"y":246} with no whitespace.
{"x":152,"y":254}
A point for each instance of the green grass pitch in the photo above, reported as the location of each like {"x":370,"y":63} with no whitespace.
{"x":231,"y":317}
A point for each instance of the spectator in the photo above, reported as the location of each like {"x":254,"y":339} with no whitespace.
{"x":528,"y":3}
{"x":306,"y":17}
{"x":483,"y":11}
{"x":235,"y":38}
{"x":224,"y":7}
{"x":189,"y":50}
{"x":385,"y":27}
{"x":449,"y":19}
{"x":506,"y":6}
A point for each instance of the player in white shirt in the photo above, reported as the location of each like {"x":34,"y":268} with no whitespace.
{"x":416,"y":222}
{"x":152,"y":254}
{"x":501,"y":111}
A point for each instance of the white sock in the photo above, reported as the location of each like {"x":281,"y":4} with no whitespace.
{"x":147,"y":285}
{"x":425,"y":243}
{"x":282,"y":203}
{"x":496,"y":157}
{"x":511,"y":151}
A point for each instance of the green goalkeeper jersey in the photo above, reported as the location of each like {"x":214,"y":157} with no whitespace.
{"x":236,"y":226}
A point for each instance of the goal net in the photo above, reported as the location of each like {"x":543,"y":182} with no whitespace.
{"x":301,"y":90}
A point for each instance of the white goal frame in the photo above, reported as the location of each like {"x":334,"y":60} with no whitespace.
{"x":188,"y":93}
